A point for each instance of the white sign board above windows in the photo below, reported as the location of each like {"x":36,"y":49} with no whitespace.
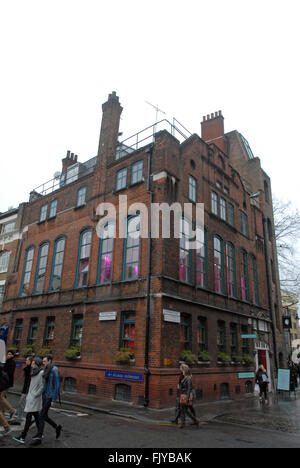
{"x":107,"y":316}
{"x":171,"y":316}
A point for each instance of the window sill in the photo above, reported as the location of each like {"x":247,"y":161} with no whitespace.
{"x":79,"y":207}
{"x":52,"y":217}
{"x":41,"y":222}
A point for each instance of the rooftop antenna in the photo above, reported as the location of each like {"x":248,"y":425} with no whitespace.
{"x":157,"y":111}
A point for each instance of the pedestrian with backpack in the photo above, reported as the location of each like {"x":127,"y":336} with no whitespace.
{"x":4,"y":383}
{"x":262,"y":380}
{"x":34,"y":400}
{"x":9,"y":369}
{"x":51,"y":386}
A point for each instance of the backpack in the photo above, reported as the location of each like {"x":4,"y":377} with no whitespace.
{"x":4,"y":381}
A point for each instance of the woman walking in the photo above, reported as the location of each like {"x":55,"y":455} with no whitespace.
{"x":34,"y":401}
{"x":186,"y":393}
{"x":262,"y":380}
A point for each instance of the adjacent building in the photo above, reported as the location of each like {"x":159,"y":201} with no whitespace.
{"x":119,"y":307}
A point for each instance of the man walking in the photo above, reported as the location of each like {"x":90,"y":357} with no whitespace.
{"x":9,"y":369}
{"x":4,"y":382}
{"x":50,"y":394}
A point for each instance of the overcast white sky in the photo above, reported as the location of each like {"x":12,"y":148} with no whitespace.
{"x":60,"y":60}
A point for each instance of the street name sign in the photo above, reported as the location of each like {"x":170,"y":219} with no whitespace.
{"x":124,"y":376}
{"x":246,"y":375}
{"x":247,"y":337}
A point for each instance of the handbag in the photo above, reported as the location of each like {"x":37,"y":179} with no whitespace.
{"x":184,"y":401}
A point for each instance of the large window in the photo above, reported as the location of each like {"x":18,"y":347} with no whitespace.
{"x":57,"y":264}
{"x":77,"y":330}
{"x":49,"y":331}
{"x":233,"y":338}
{"x":18,"y":332}
{"x":53,"y":209}
{"x":32,"y":331}
{"x":128,"y":330}
{"x":4,"y":261}
{"x":185,"y":332}
{"x":214,"y":203}
{"x":230,"y":217}
{"x":137,"y":172}
{"x":223,"y":214}
{"x":26,"y":271}
{"x":81,"y":196}
{"x":41,"y":269}
{"x":185,"y":262}
{"x":221,"y":337}
{"x":121,"y":181}
{"x":202,"y":262}
{"x":192,"y":189}
{"x":132,"y":249}
{"x":83,"y":261}
{"x":2,"y":289}
{"x":244,"y":276}
{"x":43,"y":213}
{"x":254,"y":281}
{"x":219,"y":265}
{"x":244,"y":223}
{"x":106,"y":253}
{"x":231,"y":269}
{"x":202,"y":334}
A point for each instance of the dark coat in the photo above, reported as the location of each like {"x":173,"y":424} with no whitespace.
{"x":9,"y":368}
{"x":27,"y":378}
{"x":186,"y":386}
{"x":259,"y":377}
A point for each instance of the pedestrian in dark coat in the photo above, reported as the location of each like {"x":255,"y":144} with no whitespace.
{"x":262,"y":380}
{"x":22,"y":402}
{"x":186,"y":393}
{"x":34,"y":400}
{"x":3,"y":386}
{"x":9,"y":368}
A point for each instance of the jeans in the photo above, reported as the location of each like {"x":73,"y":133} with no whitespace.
{"x":21,"y":407}
{"x":29,"y":421}
{"x":43,"y":416}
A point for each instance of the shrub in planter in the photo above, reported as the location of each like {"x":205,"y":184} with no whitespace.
{"x":28,"y":350}
{"x":204,"y":356}
{"x":188,"y":357}
{"x":14,"y":349}
{"x":72,"y":353}
{"x":124,"y":356}
{"x":224,"y":358}
{"x":235,"y":357}
{"x":43,"y":352}
{"x":247,"y":360}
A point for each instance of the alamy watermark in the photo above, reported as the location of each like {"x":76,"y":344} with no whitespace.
{"x":138,"y":221}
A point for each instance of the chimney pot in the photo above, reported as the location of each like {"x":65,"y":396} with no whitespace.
{"x":207,"y":116}
{"x":212,"y":115}
{"x":204,"y":118}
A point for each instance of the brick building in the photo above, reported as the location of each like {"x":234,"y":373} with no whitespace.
{"x":98,"y":292}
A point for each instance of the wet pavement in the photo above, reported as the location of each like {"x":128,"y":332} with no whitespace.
{"x":281,"y":414}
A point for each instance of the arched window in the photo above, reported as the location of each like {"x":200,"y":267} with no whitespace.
{"x":26,"y":274}
{"x":231,"y":269}
{"x":57,"y":264}
{"x":132,"y":249}
{"x":83,"y":261}
{"x":106,"y":245}
{"x":219,"y":264}
{"x":41,"y":269}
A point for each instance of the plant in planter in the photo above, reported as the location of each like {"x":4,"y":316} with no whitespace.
{"x":223,"y":358}
{"x":73,"y":353}
{"x":43,"y":352}
{"x":188,"y":357}
{"x":204,"y":356}
{"x":124,"y":356}
{"x":248,"y":360}
{"x":14,"y":349}
{"x":28,"y":350}
{"x":236,"y":358}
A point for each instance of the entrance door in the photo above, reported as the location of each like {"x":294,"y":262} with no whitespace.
{"x":262,"y":358}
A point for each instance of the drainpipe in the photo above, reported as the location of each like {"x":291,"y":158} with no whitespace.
{"x":147,"y":331}
{"x":269,"y":291}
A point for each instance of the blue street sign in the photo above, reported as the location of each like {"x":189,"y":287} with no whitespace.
{"x":246,"y":375}
{"x":246,"y":337}
{"x":124,"y":376}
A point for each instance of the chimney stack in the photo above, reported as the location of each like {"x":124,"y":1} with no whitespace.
{"x":68,"y":161}
{"x":212,"y":130}
{"x":109,"y":129}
